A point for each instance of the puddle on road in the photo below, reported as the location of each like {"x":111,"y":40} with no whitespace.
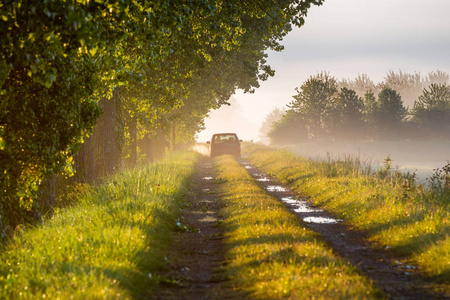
{"x":275,"y":188}
{"x":305,"y":208}
{"x":207,"y":178}
{"x":289,"y":200}
{"x":299,"y":205}
{"x":263,"y":179}
{"x":321,"y":220}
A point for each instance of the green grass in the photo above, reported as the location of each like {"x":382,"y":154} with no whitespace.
{"x":109,"y":245}
{"x":396,"y":212}
{"x":270,"y":254}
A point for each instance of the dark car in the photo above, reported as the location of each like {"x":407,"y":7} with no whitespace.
{"x":225,"y":143}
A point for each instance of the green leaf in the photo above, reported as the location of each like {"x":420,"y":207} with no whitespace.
{"x":4,"y":72}
{"x":93,"y":51}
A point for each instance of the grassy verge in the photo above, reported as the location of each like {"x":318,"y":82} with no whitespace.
{"x":108,"y":245}
{"x":394,"y":211}
{"x":271,"y":256}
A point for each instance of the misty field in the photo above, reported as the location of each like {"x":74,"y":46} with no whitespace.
{"x":412,"y":156}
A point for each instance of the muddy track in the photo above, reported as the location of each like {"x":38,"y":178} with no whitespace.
{"x":198,"y":256}
{"x":397,"y":280}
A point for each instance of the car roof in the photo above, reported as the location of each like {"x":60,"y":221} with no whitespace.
{"x":227,"y":133}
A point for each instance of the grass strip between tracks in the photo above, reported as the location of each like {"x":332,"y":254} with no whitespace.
{"x":108,"y":245}
{"x":271,"y":255}
{"x":409,"y":219}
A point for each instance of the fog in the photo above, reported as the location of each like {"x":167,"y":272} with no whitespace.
{"x":347,"y":38}
{"x":232,"y":118}
{"x":412,"y":156}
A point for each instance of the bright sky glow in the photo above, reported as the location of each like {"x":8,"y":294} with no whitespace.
{"x":345,"y":38}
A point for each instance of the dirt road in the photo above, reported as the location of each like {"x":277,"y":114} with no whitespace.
{"x":196,"y":264}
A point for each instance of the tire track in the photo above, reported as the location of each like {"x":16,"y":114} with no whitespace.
{"x":397,"y":280}
{"x":198,"y":256}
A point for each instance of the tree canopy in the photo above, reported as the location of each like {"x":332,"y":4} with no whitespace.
{"x":165,"y":59}
{"x":432,"y":110}
{"x":327,"y":109}
{"x":314,"y":103}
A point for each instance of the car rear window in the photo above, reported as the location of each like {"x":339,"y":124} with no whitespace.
{"x":224,"y":138}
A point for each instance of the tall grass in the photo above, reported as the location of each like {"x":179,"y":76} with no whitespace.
{"x":270,"y":254}
{"x":108,"y":245}
{"x":396,"y":211}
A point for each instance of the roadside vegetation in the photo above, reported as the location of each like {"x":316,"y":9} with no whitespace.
{"x":270,"y":254}
{"x":397,"y":213}
{"x":108,"y":245}
{"x":92,"y":86}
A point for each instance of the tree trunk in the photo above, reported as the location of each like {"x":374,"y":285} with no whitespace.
{"x":133,"y":135}
{"x":173,"y":137}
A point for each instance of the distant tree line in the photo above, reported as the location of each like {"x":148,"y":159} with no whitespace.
{"x":88,"y":87}
{"x":325,"y":109}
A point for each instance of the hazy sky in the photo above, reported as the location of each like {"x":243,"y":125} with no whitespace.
{"x":345,"y":38}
